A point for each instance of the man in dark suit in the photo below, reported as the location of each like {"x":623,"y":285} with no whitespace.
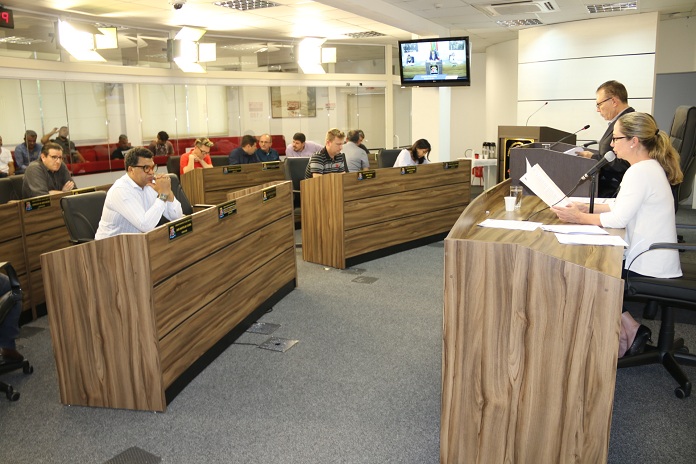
{"x":612,"y":103}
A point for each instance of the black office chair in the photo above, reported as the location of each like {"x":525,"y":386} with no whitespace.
{"x":186,"y":207}
{"x":17,"y":182}
{"x":81,"y":214}
{"x":387,"y":158}
{"x":6,"y":190}
{"x":682,"y":134}
{"x":7,"y":302}
{"x":667,"y":295}
{"x":295,"y":172}
{"x":173,"y":165}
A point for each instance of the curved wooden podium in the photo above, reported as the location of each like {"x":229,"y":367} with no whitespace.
{"x":530,"y":341}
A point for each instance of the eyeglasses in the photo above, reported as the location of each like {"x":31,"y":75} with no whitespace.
{"x":606,"y":100}
{"x":614,"y":139}
{"x":205,"y":152}
{"x":148,"y":169}
{"x":55,"y":157}
{"x":264,"y":142}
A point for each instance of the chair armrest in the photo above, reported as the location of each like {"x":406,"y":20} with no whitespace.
{"x":673,"y":246}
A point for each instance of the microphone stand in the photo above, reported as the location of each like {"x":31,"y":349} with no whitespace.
{"x":593,"y":187}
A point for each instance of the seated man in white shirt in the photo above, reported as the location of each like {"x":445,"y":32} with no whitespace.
{"x":138,"y":199}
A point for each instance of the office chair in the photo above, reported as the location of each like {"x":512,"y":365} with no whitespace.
{"x":173,"y":165}
{"x":682,"y":134}
{"x":17,"y":182}
{"x":295,"y":172}
{"x":7,"y":302}
{"x":6,"y":190}
{"x":387,"y":158}
{"x":667,"y":295}
{"x":81,"y":214}
{"x":178,"y":192}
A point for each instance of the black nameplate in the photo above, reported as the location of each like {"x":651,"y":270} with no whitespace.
{"x":180,"y":227}
{"x":450,"y":164}
{"x":371,"y":174}
{"x":268,"y":165}
{"x":227,"y":209}
{"x":84,"y":190}
{"x":232,"y":168}
{"x":37,"y":203}
{"x":268,"y":193}
{"x":408,"y":169}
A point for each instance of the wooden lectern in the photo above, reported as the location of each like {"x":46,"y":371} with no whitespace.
{"x":513,"y":136}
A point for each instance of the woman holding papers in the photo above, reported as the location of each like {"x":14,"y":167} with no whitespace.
{"x":417,"y":154}
{"x":644,"y":206}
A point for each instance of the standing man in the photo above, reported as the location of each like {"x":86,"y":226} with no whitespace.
{"x":123,"y":146}
{"x":612,"y":103}
{"x":301,"y":147}
{"x":27,"y":152}
{"x":265,"y":152}
{"x":6,"y":163}
{"x":246,"y":153}
{"x":138,"y":199}
{"x":69,"y":151}
{"x":198,"y":157}
{"x":329,"y":159}
{"x":356,"y":158}
{"x":161,"y":146}
{"x":47,"y":175}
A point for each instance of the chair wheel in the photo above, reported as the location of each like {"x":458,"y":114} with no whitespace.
{"x":683,"y":392}
{"x":683,"y":349}
{"x":28,"y":369}
{"x":11,"y":394}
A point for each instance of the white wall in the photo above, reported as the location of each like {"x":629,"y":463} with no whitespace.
{"x":501,"y":88}
{"x":676,"y":46}
{"x":565,"y":63}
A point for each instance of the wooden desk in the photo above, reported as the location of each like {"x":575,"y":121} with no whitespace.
{"x":210,"y":186}
{"x":12,"y":246}
{"x":135,"y":317}
{"x":344,"y":217}
{"x":531,"y":335}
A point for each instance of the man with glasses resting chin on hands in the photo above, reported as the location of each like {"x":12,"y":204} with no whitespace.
{"x":138,"y":199}
{"x":48,"y":174}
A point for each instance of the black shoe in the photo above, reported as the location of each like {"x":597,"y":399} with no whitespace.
{"x":643,"y":336}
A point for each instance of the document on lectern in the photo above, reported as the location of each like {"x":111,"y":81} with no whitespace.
{"x":541,"y":184}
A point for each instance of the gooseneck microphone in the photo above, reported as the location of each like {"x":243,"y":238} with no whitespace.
{"x":608,"y":158}
{"x":569,"y":135}
{"x":537,"y":110}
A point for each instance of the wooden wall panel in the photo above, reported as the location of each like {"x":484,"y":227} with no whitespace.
{"x":43,"y":241}
{"x":210,"y":186}
{"x":13,"y":251}
{"x":322,"y":220}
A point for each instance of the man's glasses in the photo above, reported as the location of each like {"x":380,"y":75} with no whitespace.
{"x":204,"y":152}
{"x":148,"y":169}
{"x":55,"y":157}
{"x":605,"y":100}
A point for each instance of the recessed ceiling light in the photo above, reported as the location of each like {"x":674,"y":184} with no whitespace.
{"x":362,"y":35}
{"x":610,"y":7}
{"x":246,"y":5}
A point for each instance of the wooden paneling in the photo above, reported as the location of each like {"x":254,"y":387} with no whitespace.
{"x":13,"y":252}
{"x":11,"y":224}
{"x":530,"y":342}
{"x":130,"y":314}
{"x":343,"y":217}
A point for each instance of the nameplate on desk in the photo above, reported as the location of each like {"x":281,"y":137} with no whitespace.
{"x":450,"y":164}
{"x":268,"y":193}
{"x":232,"y":168}
{"x":363,"y":175}
{"x":227,"y":209}
{"x":408,"y":169}
{"x":270,"y":165}
{"x":37,"y":203}
{"x":84,"y":190}
{"x":180,"y":227}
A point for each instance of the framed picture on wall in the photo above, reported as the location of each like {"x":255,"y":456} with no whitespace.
{"x":293,"y":102}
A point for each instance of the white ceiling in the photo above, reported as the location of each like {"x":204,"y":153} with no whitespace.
{"x":292,"y":19}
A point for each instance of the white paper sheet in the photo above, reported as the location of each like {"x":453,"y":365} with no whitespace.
{"x":541,"y":184}
{"x":575,"y":239}
{"x":510,"y":224}
{"x":575,"y":229}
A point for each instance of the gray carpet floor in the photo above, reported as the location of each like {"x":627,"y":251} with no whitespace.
{"x":362,"y":385}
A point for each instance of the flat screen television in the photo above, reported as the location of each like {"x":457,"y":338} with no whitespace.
{"x":435,"y":62}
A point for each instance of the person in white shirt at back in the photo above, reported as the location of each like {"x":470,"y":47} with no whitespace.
{"x":417,"y":154}
{"x":137,"y":200}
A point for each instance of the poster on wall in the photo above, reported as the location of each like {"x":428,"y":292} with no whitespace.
{"x":293,"y":102}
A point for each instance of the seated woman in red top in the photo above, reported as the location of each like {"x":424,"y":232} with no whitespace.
{"x":198,"y":157}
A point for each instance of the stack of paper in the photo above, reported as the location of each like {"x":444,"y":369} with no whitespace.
{"x":541,"y":184}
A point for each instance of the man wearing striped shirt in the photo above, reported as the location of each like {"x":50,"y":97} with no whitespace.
{"x":138,"y":199}
{"x":329,"y":159}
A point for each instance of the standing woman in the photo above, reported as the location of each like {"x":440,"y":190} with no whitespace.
{"x":417,"y":154}
{"x":644,"y":206}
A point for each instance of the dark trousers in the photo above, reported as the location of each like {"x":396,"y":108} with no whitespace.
{"x":9,"y":328}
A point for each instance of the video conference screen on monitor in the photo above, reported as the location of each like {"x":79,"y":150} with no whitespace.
{"x":435,"y":62}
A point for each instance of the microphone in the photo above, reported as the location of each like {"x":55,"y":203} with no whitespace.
{"x":569,"y":135}
{"x":538,"y":109}
{"x":608,"y":158}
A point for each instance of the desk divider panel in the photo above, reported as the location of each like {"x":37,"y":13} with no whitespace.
{"x":344,"y":217}
{"x":12,"y":246}
{"x":151,"y":308}
{"x":530,"y":341}
{"x":210,"y":186}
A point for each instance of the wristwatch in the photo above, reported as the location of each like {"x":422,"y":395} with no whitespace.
{"x":163,"y":196}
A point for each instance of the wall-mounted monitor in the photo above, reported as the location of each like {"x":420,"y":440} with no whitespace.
{"x":435,"y":62}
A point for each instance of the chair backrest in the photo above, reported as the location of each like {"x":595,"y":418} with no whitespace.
{"x":387,"y":158}
{"x":220,"y":160}
{"x":17,"y":183}
{"x":6,"y":190}
{"x":173,"y":165}
{"x":186,"y":207}
{"x":82,"y":213}
{"x":683,"y":138}
{"x":295,"y":170}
